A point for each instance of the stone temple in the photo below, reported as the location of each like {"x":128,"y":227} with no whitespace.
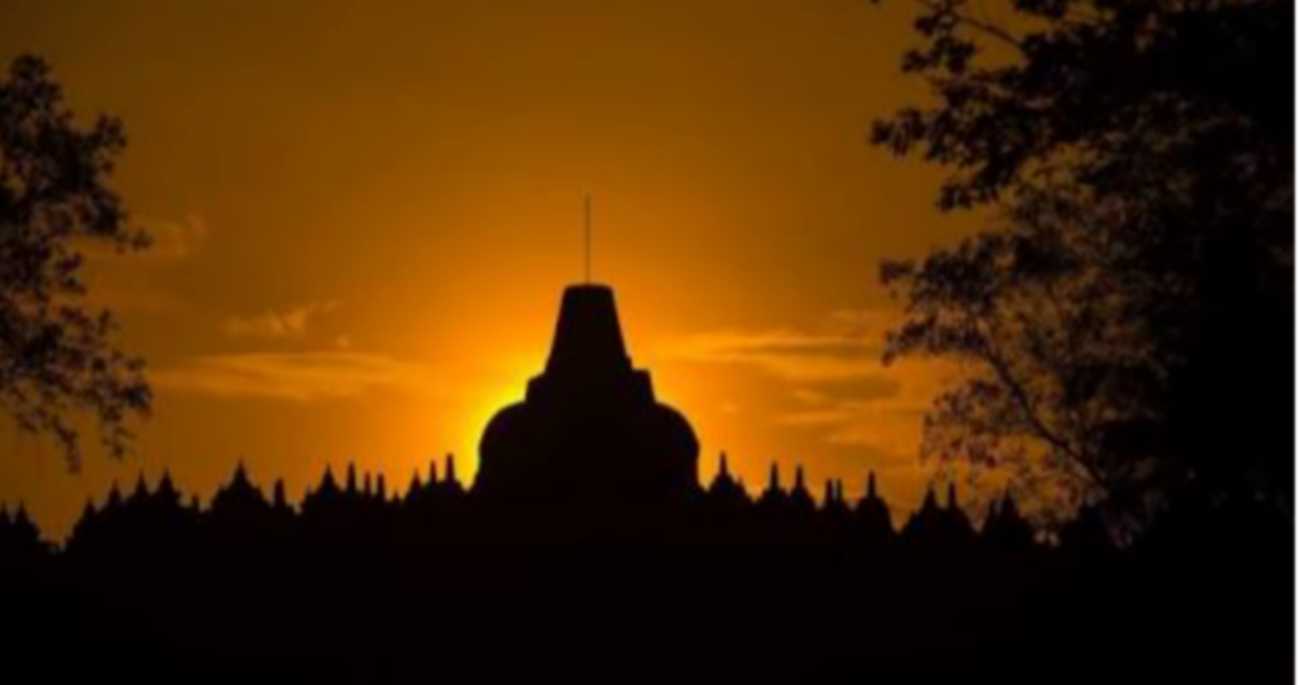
{"x":590,"y":433}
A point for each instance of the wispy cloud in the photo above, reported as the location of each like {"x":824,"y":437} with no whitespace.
{"x":120,"y":297}
{"x":171,"y":239}
{"x":290,"y":323}
{"x":838,"y":386}
{"x":174,"y":239}
{"x":129,"y":280}
{"x":888,"y":421}
{"x":299,"y":377}
{"x":847,"y":347}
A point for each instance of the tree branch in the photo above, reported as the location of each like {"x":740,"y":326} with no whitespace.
{"x":988,"y":28}
{"x":1024,"y":402}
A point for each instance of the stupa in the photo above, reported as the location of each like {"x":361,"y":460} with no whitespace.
{"x":589,"y":433}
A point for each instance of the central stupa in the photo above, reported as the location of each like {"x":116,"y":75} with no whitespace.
{"x":590,"y":431}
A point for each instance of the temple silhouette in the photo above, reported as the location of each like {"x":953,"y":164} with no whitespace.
{"x":586,"y":551}
{"x":589,"y":434}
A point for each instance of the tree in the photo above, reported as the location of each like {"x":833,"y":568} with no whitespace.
{"x":58,"y":364}
{"x":1126,"y":325}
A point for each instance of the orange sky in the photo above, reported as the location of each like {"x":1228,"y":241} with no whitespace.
{"x":366,"y":213}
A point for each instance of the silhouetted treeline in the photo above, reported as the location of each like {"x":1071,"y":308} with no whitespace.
{"x":363,"y":579}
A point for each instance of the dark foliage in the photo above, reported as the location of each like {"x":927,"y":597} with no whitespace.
{"x":58,"y":363}
{"x":1126,"y":326}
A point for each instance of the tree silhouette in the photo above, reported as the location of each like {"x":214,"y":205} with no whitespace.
{"x":57,"y":360}
{"x":1126,"y":324}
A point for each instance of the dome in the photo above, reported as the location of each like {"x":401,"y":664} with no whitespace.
{"x":590,"y":430}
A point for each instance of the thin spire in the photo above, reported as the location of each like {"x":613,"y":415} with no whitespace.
{"x":141,"y":487}
{"x":278,"y":497}
{"x":931,"y":500}
{"x":165,"y":486}
{"x":773,"y":482}
{"x":451,"y":469}
{"x":586,"y":222}
{"x":327,"y":481}
{"x":241,"y":472}
{"x":21,"y":520}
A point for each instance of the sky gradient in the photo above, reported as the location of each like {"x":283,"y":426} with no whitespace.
{"x":365,"y":215}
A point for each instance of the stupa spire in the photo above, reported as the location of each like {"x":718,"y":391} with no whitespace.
{"x":586,"y":223}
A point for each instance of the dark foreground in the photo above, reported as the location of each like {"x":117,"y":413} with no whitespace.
{"x":358,"y":588}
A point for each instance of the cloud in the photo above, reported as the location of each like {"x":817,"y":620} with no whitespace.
{"x":174,"y":239}
{"x":171,"y":239}
{"x":839,"y":388}
{"x":132,"y":280}
{"x":847,"y":347}
{"x":788,"y":354}
{"x":120,"y":297}
{"x":292,"y":323}
{"x":885,"y":415}
{"x":299,"y":377}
